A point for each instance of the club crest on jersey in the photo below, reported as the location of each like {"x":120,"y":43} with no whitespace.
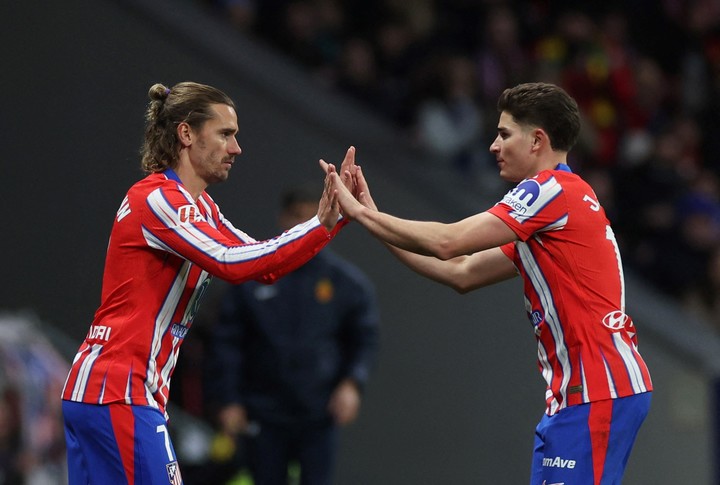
{"x":179,"y":330}
{"x":536,"y":317}
{"x":173,"y":471}
{"x":189,"y":213}
{"x":615,"y":320}
{"x":523,"y":196}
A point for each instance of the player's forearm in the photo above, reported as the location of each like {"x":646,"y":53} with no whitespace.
{"x":427,"y":266}
{"x":419,"y":237}
{"x":462,"y":273}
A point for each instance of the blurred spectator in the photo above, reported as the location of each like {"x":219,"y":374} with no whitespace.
{"x":705,"y":301}
{"x":399,"y":49}
{"x":699,"y":233}
{"x":645,"y":74}
{"x":449,"y":121}
{"x":647,"y":194}
{"x":289,"y":361}
{"x":241,"y":13}
{"x":501,"y":57}
{"x":32,"y":374}
{"x":358,"y":74}
{"x":310,"y":33}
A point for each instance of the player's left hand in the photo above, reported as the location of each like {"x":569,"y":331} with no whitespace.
{"x":329,"y":206}
{"x":347,"y":170}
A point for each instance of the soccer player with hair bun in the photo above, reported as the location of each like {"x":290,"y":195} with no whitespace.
{"x":168,"y":240}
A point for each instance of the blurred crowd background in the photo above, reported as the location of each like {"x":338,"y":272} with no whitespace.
{"x":32,"y":374}
{"x":646,"y":74}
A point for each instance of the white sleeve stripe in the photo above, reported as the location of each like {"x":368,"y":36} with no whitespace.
{"x":238,"y":233}
{"x":555,"y":226}
{"x":204,"y":243}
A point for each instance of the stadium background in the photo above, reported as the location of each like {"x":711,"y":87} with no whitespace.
{"x":456,"y":394}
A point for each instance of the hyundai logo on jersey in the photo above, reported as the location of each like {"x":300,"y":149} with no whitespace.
{"x":615,"y":320}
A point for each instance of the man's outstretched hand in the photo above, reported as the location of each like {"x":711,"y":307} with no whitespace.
{"x":347,"y":170}
{"x":328,"y":207}
{"x":349,"y":185}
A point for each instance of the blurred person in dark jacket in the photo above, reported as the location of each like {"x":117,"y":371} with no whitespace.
{"x":288,"y":361}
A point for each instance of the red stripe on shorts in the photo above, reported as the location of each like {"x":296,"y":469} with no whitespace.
{"x":599,"y":424}
{"x":123,"y":423}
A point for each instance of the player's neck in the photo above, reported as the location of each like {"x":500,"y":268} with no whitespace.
{"x":192,"y":182}
{"x":551,"y":161}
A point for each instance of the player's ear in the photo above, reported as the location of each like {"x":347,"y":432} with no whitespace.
{"x":184,"y":134}
{"x":540,"y":138}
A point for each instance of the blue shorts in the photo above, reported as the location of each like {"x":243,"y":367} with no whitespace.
{"x":588,"y":444}
{"x":118,"y":444}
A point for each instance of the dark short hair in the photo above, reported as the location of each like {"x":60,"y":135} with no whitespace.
{"x":545,"y":106}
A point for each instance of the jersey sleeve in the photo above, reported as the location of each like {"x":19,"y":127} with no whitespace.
{"x":172,"y":222}
{"x":509,"y":250}
{"x":534,"y":205}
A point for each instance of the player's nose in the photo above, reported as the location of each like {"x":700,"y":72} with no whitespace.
{"x":234,"y":147}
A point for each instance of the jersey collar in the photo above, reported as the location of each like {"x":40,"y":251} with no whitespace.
{"x":170,"y":173}
{"x":563,"y":167}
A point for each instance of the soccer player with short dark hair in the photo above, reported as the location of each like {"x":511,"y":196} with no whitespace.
{"x":552,"y":231}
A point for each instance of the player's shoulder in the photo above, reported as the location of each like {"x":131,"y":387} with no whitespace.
{"x":136,"y":196}
{"x":562,"y":176}
{"x":164,"y":188}
{"x":560,"y":172}
{"x":144,"y":186}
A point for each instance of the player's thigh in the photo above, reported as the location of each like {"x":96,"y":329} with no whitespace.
{"x":93,"y":453}
{"x":155,"y":459}
{"x":118,"y":444}
{"x":563,"y":452}
{"x":587,"y":441}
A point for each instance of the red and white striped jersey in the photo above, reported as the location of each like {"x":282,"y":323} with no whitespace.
{"x":574,"y":289}
{"x":164,"y":249}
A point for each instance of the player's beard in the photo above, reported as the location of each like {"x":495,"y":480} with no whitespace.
{"x":216,"y":170}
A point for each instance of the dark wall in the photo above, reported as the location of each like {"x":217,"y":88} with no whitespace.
{"x":455,"y":396}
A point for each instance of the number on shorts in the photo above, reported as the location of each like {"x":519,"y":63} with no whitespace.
{"x":163,"y":429}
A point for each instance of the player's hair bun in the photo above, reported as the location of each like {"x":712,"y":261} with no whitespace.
{"x":158,"y":92}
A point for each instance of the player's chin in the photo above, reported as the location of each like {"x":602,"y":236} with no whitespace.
{"x":505,"y":175}
{"x":221,"y":175}
{"x":509,"y":177}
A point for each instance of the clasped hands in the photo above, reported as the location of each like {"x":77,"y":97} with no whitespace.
{"x":346,"y":189}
